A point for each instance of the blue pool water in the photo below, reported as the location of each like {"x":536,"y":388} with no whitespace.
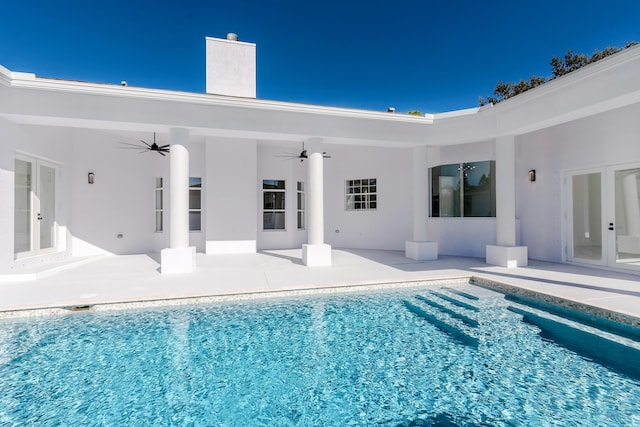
{"x":413,"y":357}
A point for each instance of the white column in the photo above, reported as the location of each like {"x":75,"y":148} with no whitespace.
{"x":421,"y":248}
{"x":179,"y":257}
{"x":316,"y":198}
{"x":315,"y":253}
{"x":505,"y":191}
{"x":505,"y":253}
{"x":178,"y":190}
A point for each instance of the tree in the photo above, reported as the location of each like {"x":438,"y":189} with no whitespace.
{"x":559,"y":67}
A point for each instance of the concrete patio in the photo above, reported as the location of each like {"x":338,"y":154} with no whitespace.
{"x":136,"y":278}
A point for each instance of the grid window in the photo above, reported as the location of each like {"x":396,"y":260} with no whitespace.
{"x":361,"y":194}
{"x":159,"y":205}
{"x":273,"y":204}
{"x":301,"y":205}
{"x":195,"y":203}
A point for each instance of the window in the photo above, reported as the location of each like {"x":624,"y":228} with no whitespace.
{"x":195,"y":204}
{"x":158,"y":205}
{"x":273,"y":207}
{"x":463,"y":190}
{"x":361,"y":194}
{"x":301,"y":202}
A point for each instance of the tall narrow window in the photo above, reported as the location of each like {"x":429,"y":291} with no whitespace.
{"x":159,"y":207}
{"x":273,"y":206}
{"x":301,"y":202}
{"x":361,"y":194}
{"x":195,"y":204}
{"x":464,"y":190}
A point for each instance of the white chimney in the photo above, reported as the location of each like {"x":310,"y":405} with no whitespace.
{"x":231,"y":67}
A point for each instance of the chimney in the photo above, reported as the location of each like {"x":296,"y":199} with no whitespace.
{"x":231,"y":67}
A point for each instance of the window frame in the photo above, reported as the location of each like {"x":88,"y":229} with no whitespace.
{"x":361,"y":194}
{"x":281,"y":189}
{"x":301,"y":206}
{"x":193,"y":210}
{"x":462,"y":190}
{"x":158,"y":205}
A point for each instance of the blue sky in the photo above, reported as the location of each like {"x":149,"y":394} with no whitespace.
{"x":370,"y":54}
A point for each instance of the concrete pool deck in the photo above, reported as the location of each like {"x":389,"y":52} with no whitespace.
{"x":137,"y":278}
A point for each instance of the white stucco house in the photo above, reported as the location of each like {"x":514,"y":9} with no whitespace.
{"x":552,"y":174}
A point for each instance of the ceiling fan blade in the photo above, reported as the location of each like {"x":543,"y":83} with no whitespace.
{"x":148,"y":145}
{"x":164,"y":146}
{"x":132,"y":148}
{"x":130,"y":144}
{"x":162,"y":153}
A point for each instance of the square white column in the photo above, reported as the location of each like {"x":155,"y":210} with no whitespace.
{"x":316,"y":255}
{"x":178,"y":260}
{"x":507,"y":256}
{"x":421,"y":251}
{"x":420,"y":248}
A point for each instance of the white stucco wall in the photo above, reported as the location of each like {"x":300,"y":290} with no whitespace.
{"x":120,"y":202}
{"x":603,"y":140}
{"x":231,"y":194}
{"x":462,"y":236}
{"x":273,"y":164}
{"x":9,"y":135}
{"x":387,"y":227}
{"x":50,"y":144}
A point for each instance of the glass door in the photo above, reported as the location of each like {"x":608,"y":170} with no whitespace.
{"x":35,"y":225}
{"x":46,"y":217}
{"x":586,"y":237}
{"x":626,"y":247}
{"x":604,"y":216}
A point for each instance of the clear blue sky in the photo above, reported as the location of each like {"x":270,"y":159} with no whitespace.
{"x":370,"y":54}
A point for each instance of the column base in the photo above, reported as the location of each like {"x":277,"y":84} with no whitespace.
{"x":421,"y":251}
{"x":507,"y":256}
{"x":316,"y":255}
{"x":181,"y":260}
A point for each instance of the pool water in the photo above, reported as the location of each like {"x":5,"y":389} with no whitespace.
{"x":413,"y":357}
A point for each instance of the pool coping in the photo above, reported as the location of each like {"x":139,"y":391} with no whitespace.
{"x":491,"y":284}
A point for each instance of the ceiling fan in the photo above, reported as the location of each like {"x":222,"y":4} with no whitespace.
{"x":145,"y":146}
{"x":303,"y":155}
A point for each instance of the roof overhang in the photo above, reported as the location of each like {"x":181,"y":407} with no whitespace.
{"x":606,"y":85}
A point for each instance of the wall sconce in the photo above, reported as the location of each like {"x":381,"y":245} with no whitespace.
{"x":91,"y":177}
{"x":532,"y":175}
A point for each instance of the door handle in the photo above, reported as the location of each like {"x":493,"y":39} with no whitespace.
{"x":39,"y":217}
{"x":611,"y":226}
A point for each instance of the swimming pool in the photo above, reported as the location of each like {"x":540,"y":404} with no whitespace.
{"x":458,"y":356}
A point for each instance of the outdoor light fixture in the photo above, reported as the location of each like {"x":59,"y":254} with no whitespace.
{"x":532,"y":175}
{"x":91,"y":177}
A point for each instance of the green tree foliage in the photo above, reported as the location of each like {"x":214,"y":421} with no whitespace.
{"x":559,"y":67}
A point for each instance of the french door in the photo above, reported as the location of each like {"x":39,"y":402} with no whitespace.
{"x":604,"y":216}
{"x":35,"y":226}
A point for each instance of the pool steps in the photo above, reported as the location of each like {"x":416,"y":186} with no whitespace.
{"x":591,"y":343}
{"x":454,"y":301}
{"x":447,"y":310}
{"x":462,"y":317}
{"x":454,"y":332}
